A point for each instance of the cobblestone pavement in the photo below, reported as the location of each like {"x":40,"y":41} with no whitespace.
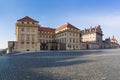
{"x":62,"y":65}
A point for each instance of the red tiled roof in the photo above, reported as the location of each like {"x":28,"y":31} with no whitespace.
{"x":113,"y":40}
{"x":28,"y":19}
{"x":45,"y":29}
{"x":68,"y":25}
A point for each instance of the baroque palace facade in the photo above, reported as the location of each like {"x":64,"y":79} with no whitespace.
{"x":30,"y":36}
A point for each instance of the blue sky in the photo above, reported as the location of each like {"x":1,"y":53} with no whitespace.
{"x":53,"y":13}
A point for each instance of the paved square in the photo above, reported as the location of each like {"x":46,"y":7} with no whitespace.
{"x":62,"y":65}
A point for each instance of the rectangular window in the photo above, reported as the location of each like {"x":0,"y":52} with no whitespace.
{"x":76,"y":46}
{"x":73,"y":34}
{"x":70,"y":40}
{"x":22,"y":42}
{"x":65,"y":34}
{"x":33,"y":37}
{"x":41,"y":31}
{"x":32,"y":46}
{"x":22,"y":37}
{"x":76,"y":35}
{"x":32,"y":29}
{"x":28,"y":37}
{"x":73,"y":40}
{"x":65,"y":40}
{"x":76,"y":40}
{"x":22,"y":29}
{"x":40,"y":40}
{"x":28,"y":42}
{"x":73,"y":47}
{"x":22,"y":22}
{"x":40,"y":36}
{"x":70,"y":46}
{"x":28,"y":29}
{"x":32,"y":42}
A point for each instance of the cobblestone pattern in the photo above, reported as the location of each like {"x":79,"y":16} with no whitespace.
{"x":65,"y":65}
